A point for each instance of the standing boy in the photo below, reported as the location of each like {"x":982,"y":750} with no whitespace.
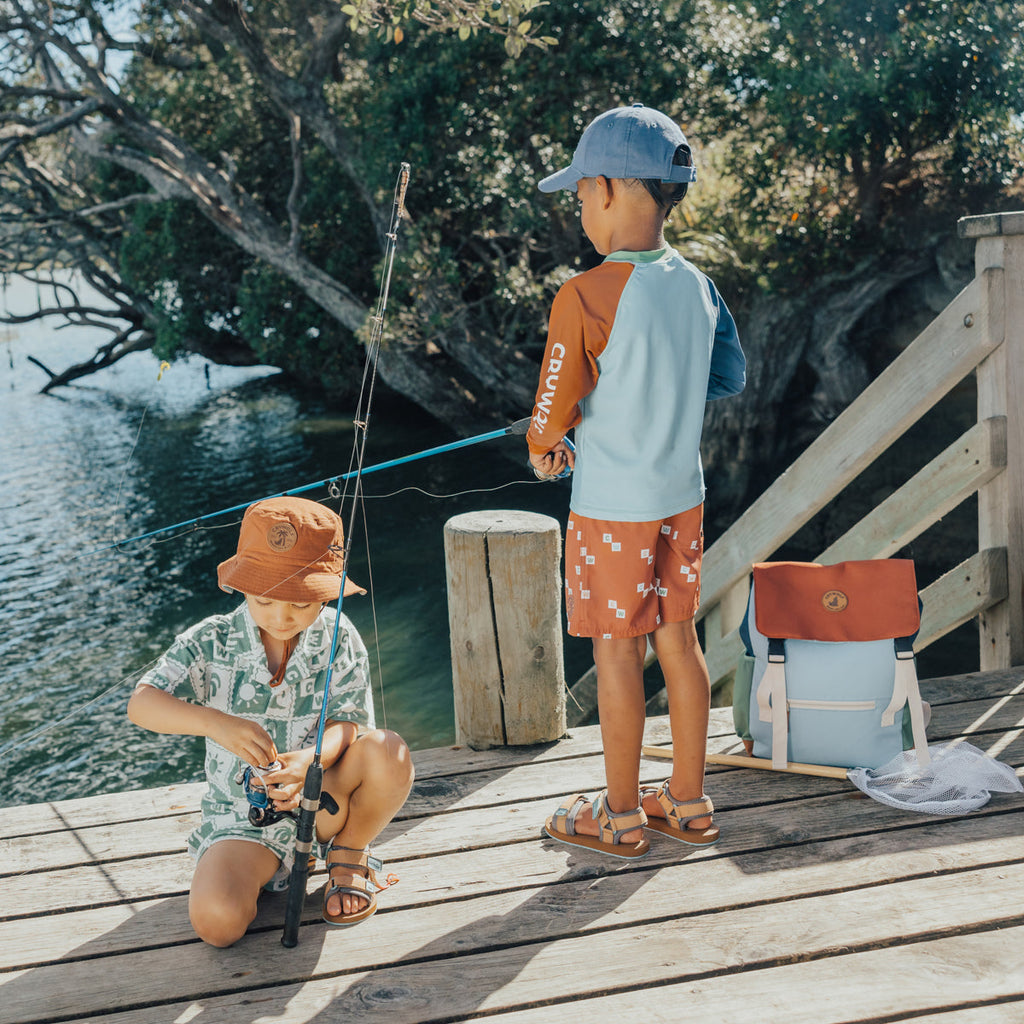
{"x":636,"y":346}
{"x":252,"y":683}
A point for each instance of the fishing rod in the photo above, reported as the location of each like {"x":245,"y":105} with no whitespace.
{"x":519,"y":427}
{"x":313,"y":785}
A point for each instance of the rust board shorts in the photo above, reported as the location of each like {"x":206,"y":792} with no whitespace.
{"x":626,"y":579}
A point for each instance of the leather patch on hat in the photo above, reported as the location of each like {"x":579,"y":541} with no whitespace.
{"x":834,"y":601}
{"x":282,"y":537}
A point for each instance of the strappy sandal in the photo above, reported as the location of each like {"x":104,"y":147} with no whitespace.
{"x":679,"y":814}
{"x":365,"y":883}
{"x":562,"y":826}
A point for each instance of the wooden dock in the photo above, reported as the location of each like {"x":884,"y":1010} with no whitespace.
{"x":818,"y":905}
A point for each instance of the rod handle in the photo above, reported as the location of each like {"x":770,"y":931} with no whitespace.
{"x":303,"y":847}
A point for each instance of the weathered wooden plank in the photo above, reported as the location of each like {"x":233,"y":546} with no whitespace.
{"x":941,"y":356}
{"x":745,"y":876}
{"x":490,"y":919}
{"x":957,"y":596}
{"x":955,"y":474}
{"x":968,"y":685}
{"x":812,"y":809}
{"x":136,"y":805}
{"x":530,"y":947}
{"x":33,"y":819}
{"x":493,"y":808}
{"x":1000,"y":382}
{"x":999,"y":1013}
{"x":946,"y":979}
{"x":140,"y":805}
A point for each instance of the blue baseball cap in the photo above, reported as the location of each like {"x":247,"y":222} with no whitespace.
{"x":627,"y":142}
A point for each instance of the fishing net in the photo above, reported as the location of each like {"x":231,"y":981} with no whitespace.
{"x":960,"y":778}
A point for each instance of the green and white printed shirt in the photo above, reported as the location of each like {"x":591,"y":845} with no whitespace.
{"x":221,"y":663}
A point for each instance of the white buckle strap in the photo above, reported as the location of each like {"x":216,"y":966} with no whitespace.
{"x":905,"y":690}
{"x":771,"y":704}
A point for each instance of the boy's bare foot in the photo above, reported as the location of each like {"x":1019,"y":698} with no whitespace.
{"x":344,"y":902}
{"x":350,"y":896}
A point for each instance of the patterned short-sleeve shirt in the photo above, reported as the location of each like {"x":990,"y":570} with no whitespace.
{"x":221,"y":663}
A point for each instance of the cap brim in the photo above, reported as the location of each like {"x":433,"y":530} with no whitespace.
{"x":241,"y":575}
{"x":565,"y":178}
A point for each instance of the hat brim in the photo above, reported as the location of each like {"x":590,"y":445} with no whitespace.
{"x":565,"y":178}
{"x":240,"y":574}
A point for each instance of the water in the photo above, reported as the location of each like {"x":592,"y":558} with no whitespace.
{"x":122,"y":453}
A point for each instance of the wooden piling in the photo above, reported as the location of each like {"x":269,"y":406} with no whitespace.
{"x":505,"y":621}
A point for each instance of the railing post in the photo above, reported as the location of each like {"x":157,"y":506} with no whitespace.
{"x":999,"y":242}
{"x":504,"y":615}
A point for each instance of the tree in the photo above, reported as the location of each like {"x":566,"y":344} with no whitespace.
{"x":832,"y":141}
{"x":63,"y":81}
{"x":849,"y":116}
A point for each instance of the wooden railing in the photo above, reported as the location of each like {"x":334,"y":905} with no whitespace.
{"x":981,"y":332}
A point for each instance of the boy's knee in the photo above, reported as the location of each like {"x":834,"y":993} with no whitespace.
{"x":380,"y":755}
{"x":391,"y":755}
{"x":217,"y":921}
{"x":678,"y":634}
{"x":629,"y":650}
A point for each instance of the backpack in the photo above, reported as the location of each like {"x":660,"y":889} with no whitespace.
{"x":828,"y":675}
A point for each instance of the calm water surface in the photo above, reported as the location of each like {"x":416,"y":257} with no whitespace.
{"x":122,"y":453}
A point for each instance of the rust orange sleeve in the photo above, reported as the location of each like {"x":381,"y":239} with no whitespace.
{"x":581,"y":321}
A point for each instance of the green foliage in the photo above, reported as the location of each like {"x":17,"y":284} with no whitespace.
{"x":480,"y":130}
{"x":823,"y":131}
{"x":845,"y":119}
{"x":212,"y":296}
{"x":464,"y":18}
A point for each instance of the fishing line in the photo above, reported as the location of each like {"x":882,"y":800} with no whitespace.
{"x":376,"y":628}
{"x":202,"y":527}
{"x":128,"y":461}
{"x":41,"y":730}
{"x":459,"y":494}
{"x":313,"y":786}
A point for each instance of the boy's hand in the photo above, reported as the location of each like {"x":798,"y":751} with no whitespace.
{"x":285,"y":785}
{"x":155,"y":709}
{"x":246,"y":740}
{"x":553,"y":464}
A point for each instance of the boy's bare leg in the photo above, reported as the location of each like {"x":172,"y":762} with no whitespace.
{"x":622,"y":709}
{"x":370,"y":783}
{"x":688,"y":688}
{"x":225,"y":888}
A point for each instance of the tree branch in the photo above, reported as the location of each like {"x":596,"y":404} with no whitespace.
{"x":295,"y":192}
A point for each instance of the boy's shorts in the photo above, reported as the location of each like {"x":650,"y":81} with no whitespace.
{"x":626,"y":579}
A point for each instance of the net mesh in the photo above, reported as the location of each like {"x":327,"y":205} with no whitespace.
{"x":959,"y":779}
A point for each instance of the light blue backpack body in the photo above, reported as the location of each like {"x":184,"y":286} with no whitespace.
{"x":843,"y":702}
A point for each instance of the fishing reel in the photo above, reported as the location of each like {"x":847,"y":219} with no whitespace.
{"x":261,"y":808}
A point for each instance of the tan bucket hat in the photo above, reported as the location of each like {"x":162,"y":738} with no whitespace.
{"x":289,"y":549}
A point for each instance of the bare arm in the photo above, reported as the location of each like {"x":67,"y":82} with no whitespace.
{"x":159,"y":711}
